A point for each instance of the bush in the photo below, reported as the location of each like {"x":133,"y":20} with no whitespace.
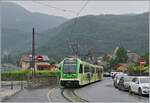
{"x":136,"y":70}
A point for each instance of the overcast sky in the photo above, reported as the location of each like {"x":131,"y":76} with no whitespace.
{"x":92,"y":7}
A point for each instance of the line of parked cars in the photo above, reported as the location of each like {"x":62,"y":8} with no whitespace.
{"x":133,"y":84}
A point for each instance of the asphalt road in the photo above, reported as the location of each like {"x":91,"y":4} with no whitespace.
{"x":104,"y":91}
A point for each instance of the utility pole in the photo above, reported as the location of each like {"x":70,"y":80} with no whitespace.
{"x":33,"y":52}
{"x":78,"y":49}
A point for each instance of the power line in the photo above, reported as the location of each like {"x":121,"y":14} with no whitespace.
{"x":51,"y":6}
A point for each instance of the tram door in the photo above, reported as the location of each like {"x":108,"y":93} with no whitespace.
{"x":81,"y":72}
{"x":98,"y":72}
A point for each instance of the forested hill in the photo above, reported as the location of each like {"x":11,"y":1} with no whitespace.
{"x":17,"y":24}
{"x":15,"y":16}
{"x":99,"y":34}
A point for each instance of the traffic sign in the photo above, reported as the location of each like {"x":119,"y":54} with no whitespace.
{"x":142,"y":62}
{"x":39,"y":58}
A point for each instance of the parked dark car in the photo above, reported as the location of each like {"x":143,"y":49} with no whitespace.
{"x":106,"y":74}
{"x":124,"y":83}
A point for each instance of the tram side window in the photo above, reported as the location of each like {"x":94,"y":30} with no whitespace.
{"x":86,"y":69}
{"x":93,"y":70}
{"x":81,"y":68}
{"x":90,"y":69}
{"x":101,"y":70}
{"x":97,"y":70}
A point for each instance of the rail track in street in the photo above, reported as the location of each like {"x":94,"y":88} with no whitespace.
{"x":64,"y":95}
{"x":71,"y":96}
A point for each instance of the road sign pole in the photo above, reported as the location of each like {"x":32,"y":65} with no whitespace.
{"x":140,"y":69}
{"x":142,"y":63}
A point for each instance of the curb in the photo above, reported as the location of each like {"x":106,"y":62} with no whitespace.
{"x":8,"y":96}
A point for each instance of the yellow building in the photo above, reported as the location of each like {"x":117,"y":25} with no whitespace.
{"x":122,"y":67}
{"x":25,"y":62}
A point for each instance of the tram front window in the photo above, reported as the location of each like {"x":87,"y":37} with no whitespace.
{"x":69,"y":69}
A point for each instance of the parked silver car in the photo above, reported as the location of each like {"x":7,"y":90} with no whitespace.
{"x":124,"y":82}
{"x":117,"y":79}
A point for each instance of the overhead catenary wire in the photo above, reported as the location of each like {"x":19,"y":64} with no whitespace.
{"x":82,"y":8}
{"x":57,"y":8}
{"x":75,"y":46}
{"x":65,"y":10}
{"x":78,"y":13}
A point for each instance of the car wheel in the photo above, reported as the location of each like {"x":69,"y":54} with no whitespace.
{"x":122,"y":88}
{"x":130,"y":91}
{"x":114,"y":85}
{"x":140,"y":92}
{"x":119,"y":87}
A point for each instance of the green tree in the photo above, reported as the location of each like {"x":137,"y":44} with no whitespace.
{"x":121,"y":56}
{"x":106,"y":58}
{"x":145,"y":56}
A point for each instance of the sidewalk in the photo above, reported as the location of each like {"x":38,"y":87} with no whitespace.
{"x":5,"y":93}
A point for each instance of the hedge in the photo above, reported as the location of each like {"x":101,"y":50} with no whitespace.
{"x":47,"y":73}
{"x":22,"y":74}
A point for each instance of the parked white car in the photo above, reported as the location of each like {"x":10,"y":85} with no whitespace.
{"x":112,"y":74}
{"x":140,"y":85}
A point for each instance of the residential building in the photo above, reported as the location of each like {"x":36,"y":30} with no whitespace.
{"x":41,"y":62}
{"x":132,"y":57}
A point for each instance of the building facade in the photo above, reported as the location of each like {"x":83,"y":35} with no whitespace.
{"x":41,"y":62}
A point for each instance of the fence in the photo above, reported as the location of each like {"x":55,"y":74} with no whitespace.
{"x":26,"y":79}
{"x":13,"y":84}
{"x":31,"y":82}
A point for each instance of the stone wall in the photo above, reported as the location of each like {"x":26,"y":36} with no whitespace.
{"x":41,"y":81}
